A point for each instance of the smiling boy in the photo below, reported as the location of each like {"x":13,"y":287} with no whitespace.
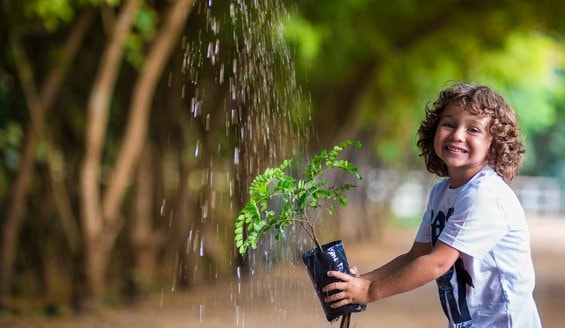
{"x":473,"y":238}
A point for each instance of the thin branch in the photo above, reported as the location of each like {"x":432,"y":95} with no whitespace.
{"x":312,"y":232}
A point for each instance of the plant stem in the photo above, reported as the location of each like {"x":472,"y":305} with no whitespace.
{"x":315,"y":238}
{"x":311,"y":232}
{"x":345,"y":319}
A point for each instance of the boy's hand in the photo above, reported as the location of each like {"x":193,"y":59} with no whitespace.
{"x":352,"y":290}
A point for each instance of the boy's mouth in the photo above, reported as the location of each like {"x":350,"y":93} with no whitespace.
{"x":455,"y":149}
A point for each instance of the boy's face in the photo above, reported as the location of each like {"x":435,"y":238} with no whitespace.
{"x":462,"y":140}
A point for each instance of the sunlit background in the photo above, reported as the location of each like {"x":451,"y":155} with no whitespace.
{"x":130,"y":130}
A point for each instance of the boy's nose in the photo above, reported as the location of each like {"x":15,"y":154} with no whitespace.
{"x":458,"y":134}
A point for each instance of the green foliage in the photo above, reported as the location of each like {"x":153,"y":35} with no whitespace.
{"x":11,"y":138}
{"x":526,"y":72}
{"x":305,"y":38}
{"x":277,"y":199}
{"x":143,"y":33}
{"x":53,"y":13}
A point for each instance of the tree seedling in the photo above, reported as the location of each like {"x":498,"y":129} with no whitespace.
{"x":278,"y":200}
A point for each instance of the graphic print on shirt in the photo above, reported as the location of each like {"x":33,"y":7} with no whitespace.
{"x":453,"y":300}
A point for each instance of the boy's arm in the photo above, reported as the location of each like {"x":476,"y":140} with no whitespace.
{"x":398,"y":278}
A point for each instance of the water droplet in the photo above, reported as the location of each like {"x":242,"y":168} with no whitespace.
{"x":205,"y":210}
{"x":196,"y":104}
{"x":202,"y":312}
{"x":221,"y":80}
{"x":162,"y":211}
{"x":195,"y":241}
{"x":236,"y":156}
{"x":232,"y":11}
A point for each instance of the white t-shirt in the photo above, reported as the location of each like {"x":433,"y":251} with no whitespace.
{"x":491,"y":284}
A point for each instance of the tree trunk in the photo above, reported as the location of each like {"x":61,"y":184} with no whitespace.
{"x":60,"y":194}
{"x":101,"y":220}
{"x":144,"y":239}
{"x":95,"y":229}
{"x":143,"y":93}
{"x":39,"y":106}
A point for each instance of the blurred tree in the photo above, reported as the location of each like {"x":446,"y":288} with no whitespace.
{"x":99,"y":226}
{"x":101,"y":212}
{"x":39,"y":104}
{"x":99,"y":216}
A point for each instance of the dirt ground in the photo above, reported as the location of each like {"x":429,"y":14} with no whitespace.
{"x":284,"y":297}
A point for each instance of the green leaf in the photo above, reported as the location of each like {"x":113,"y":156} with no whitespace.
{"x":294,"y":197}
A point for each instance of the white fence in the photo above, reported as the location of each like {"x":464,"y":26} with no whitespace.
{"x":540,"y":196}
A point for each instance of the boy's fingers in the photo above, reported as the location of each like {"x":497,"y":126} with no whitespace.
{"x":330,"y":287}
{"x":337,"y":298}
{"x":331,"y":298}
{"x":339,"y":275}
{"x":341,"y":303}
{"x":354,"y":271}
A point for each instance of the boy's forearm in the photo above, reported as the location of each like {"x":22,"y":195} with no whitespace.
{"x":387,"y":269}
{"x":407,"y":276}
{"x":413,"y":270}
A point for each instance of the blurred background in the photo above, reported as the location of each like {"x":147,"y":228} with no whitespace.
{"x":130,"y":129}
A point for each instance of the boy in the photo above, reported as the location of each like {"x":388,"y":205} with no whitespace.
{"x":473,"y":239}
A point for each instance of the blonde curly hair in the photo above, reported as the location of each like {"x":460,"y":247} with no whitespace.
{"x":506,"y":149}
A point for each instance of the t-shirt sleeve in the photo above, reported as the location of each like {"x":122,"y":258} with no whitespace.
{"x":477,"y":223}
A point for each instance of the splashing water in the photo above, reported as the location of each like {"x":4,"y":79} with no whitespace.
{"x":262,"y":103}
{"x":247,"y":112}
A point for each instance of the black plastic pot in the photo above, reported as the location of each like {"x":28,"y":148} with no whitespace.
{"x":318,"y":263}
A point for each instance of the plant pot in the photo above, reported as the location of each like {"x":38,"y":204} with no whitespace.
{"x":318,"y":263}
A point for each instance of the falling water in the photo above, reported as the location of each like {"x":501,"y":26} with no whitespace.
{"x":247,"y":112}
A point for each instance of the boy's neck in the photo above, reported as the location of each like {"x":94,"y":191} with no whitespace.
{"x":458,"y":180}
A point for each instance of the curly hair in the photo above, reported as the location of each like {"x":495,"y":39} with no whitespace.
{"x":506,"y":149}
